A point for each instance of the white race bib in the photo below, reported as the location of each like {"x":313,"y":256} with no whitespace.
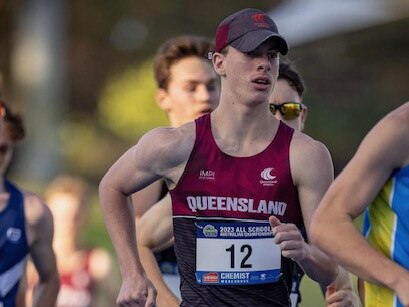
{"x":241,"y":253}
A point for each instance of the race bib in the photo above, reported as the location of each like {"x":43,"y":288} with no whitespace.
{"x":242,"y":253}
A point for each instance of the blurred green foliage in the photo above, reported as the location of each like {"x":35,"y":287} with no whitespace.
{"x":87,"y":148}
{"x":95,"y":234}
{"x":311,"y":293}
{"x":127,"y":105}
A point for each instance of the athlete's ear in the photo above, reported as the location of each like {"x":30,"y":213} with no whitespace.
{"x":218,"y":63}
{"x":161,"y":97}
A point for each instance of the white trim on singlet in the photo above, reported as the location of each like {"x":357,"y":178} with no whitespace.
{"x":9,"y":278}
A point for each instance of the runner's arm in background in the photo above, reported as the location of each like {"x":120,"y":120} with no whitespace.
{"x":40,"y":232}
{"x":144,"y":199}
{"x":384,"y":149}
{"x":155,"y":233}
{"x":342,"y":294}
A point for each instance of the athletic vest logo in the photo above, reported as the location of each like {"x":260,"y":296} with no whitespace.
{"x":13,"y":234}
{"x":268,"y":178}
{"x":207,"y":175}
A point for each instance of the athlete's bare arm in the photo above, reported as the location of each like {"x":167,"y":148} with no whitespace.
{"x":312,"y":172}
{"x":40,"y":232}
{"x":385,"y":148}
{"x":155,"y":233}
{"x":161,"y":153}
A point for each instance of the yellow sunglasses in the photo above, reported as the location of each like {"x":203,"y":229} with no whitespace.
{"x":289,"y":110}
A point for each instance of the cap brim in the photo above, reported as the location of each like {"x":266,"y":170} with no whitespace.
{"x":251,"y":40}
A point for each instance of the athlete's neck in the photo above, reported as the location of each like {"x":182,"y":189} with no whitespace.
{"x":243,"y":135}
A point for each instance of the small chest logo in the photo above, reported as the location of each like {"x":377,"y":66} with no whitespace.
{"x":13,"y":234}
{"x":207,"y":175}
{"x":268,"y":179}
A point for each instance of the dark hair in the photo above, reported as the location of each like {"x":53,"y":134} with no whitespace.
{"x":175,"y":50}
{"x":13,"y":121}
{"x":288,"y":72}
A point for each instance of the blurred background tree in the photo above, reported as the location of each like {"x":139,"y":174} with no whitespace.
{"x":58,"y":61}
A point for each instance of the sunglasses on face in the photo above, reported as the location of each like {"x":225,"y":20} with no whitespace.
{"x":288,"y":110}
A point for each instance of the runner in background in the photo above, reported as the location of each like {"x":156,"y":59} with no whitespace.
{"x":83,"y":271}
{"x":26,"y":228}
{"x":376,"y":181}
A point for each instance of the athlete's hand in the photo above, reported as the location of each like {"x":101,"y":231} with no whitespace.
{"x":402,"y":290}
{"x":340,"y":298}
{"x":170,"y":300}
{"x":137,"y":292}
{"x":289,"y":238}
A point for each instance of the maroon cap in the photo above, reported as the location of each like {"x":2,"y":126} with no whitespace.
{"x":245,"y":30}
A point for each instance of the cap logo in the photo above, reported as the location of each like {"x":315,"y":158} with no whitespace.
{"x":260,"y":20}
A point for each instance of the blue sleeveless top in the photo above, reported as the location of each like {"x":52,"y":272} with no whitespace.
{"x":13,"y":246}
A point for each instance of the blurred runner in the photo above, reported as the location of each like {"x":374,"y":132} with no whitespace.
{"x":83,"y":271}
{"x":26,"y":228}
{"x":375,"y":180}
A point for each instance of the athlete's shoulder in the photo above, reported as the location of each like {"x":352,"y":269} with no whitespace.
{"x":393,"y":127}
{"x":397,"y":119}
{"x":303,"y":144}
{"x":309,"y":159}
{"x":170,"y":136}
{"x":391,"y":137}
{"x":36,"y":211}
{"x":402,"y":111}
{"x":166,"y":147}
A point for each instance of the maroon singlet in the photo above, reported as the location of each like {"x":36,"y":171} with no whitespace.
{"x":218,"y":189}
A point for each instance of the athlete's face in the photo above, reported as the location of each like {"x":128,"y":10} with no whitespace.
{"x":283,"y":92}
{"x":67,"y":212}
{"x":6,"y":147}
{"x":248,"y":77}
{"x":193,"y":90}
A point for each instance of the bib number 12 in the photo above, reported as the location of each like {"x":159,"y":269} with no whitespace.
{"x":246,"y":249}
